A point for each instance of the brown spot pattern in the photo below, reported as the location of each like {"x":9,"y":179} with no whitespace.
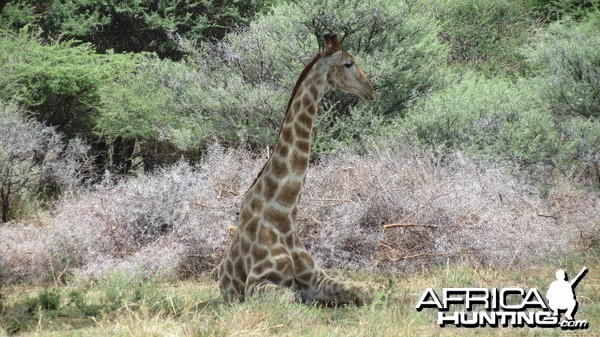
{"x":299,"y":162}
{"x":258,"y":187}
{"x":302,"y":132}
{"x":306,"y":119}
{"x":251,"y":226}
{"x":266,"y":236}
{"x":279,"y":250}
{"x":288,"y":195}
{"x":245,"y":216}
{"x":256,"y":205}
{"x":279,"y":168}
{"x":287,"y":135}
{"x":306,"y":100}
{"x":277,"y":219}
{"x":314,"y":92}
{"x":303,"y":146}
{"x":259,"y":254}
{"x":283,"y":150}
{"x":270,"y":188}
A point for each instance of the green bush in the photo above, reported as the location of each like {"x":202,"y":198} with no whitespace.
{"x":235,"y":90}
{"x":335,"y":134}
{"x":134,"y":26}
{"x":566,"y":56}
{"x":49,"y":299}
{"x":58,"y":82}
{"x":186,"y":105}
{"x":492,"y":119}
{"x":566,"y":60}
{"x":561,"y":9}
{"x":584,"y":137}
{"x":395,"y":43}
{"x":16,"y":15}
{"x":485,"y":35}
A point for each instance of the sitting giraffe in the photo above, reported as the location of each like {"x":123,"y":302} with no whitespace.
{"x":265,"y":253}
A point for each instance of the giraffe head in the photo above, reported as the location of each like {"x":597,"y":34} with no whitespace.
{"x":343,"y":73}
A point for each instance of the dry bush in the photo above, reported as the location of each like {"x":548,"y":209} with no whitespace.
{"x":578,"y":208}
{"x":385,"y":211}
{"x":175,"y":219}
{"x":34,"y":160}
{"x":392,"y":210}
{"x":23,"y":253}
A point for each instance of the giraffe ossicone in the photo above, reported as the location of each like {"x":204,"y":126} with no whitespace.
{"x":265,"y":253}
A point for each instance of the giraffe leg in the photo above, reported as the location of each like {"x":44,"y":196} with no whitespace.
{"x":316,"y":286}
{"x":231,"y":281}
{"x":329,"y":291}
{"x":266,"y":288}
{"x":277,"y":279}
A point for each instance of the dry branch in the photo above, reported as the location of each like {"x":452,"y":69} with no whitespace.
{"x":408,"y":225}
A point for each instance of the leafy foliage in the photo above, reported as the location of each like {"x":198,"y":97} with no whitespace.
{"x":567,"y":62}
{"x":567,"y":56}
{"x":58,"y":82}
{"x":235,"y":90}
{"x":387,"y":39}
{"x":485,"y":35}
{"x":145,"y":108}
{"x":492,"y":118}
{"x":135,"y":26}
{"x":562,"y":9}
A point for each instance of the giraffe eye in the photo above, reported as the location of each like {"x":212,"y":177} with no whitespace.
{"x":349,"y":65}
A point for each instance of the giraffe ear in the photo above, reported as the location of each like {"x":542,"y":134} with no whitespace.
{"x":306,"y":59}
{"x":335,"y":58}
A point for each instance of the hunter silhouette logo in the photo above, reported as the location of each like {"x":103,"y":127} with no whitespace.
{"x":516,"y":307}
{"x":561,"y":294}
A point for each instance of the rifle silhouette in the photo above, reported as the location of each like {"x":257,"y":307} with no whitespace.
{"x":578,"y":278}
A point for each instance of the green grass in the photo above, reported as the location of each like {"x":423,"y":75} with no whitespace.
{"x":124,"y":305}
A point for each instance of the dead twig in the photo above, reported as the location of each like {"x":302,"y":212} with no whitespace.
{"x":330,"y":199}
{"x":548,"y":216}
{"x":483,"y":278}
{"x":309,"y":218}
{"x":220,"y":188}
{"x":420,"y":207}
{"x":392,"y":225}
{"x":386,"y":245}
{"x":203,"y":205}
{"x":417,"y":255}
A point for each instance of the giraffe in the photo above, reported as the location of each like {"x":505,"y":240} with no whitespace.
{"x":265,"y":254}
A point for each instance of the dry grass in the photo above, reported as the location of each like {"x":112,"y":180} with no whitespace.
{"x":389,"y":211}
{"x":195,"y":309}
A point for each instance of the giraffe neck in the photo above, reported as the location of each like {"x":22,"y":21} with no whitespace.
{"x":295,"y":137}
{"x":281,"y":180}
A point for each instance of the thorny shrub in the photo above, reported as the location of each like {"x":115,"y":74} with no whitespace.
{"x":35,"y":161}
{"x":391,"y":210}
